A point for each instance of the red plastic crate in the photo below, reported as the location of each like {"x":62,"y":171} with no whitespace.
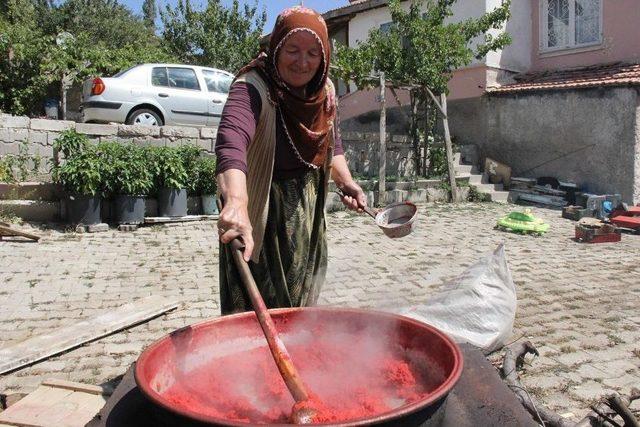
{"x":593,"y":235}
{"x":632,"y":222}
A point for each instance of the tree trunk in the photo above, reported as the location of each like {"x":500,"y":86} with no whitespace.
{"x":448,"y":145}
{"x":382,"y":160}
{"x":63,"y":100}
{"x":415,"y":137}
{"x":430,"y":118}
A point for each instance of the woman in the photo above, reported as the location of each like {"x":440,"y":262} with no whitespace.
{"x":277,"y":144}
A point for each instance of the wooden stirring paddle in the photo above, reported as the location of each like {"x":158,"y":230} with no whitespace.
{"x":303,"y":412}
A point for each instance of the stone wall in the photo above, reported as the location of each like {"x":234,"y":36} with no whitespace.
{"x":587,"y":136}
{"x":467,"y":120}
{"x":39,"y":201}
{"x":362,"y":148}
{"x":40,"y":134}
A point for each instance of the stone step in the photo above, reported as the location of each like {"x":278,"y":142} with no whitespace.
{"x":417,"y":195}
{"x":463,"y":169}
{"x":46,"y":191}
{"x":476,"y":179}
{"x":499,"y":196}
{"x":31,"y":210}
{"x":486,"y":188}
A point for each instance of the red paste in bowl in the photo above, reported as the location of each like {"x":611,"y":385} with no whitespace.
{"x":349,"y":378}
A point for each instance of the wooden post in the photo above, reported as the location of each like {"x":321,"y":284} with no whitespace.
{"x":63,"y":97}
{"x":415,"y":138}
{"x":447,"y":143}
{"x":382,"y":159}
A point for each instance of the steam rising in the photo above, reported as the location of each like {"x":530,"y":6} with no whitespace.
{"x":352,"y":364}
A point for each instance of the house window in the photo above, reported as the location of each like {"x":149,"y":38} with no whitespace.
{"x":570,"y":23}
{"x":386,"y":27}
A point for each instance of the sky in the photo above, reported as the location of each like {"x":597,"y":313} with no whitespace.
{"x":273,"y":6}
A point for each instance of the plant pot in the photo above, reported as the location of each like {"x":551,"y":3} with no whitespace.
{"x":194,"y":205}
{"x":84,"y":209}
{"x":172,"y":202}
{"x":129,"y":209}
{"x":209,"y":205}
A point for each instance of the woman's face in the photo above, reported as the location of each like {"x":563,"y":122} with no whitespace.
{"x":299,"y":59}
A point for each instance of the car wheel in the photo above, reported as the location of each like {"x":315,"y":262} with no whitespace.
{"x":144,"y":117}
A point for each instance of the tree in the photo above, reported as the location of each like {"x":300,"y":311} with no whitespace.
{"x":22,"y":45}
{"x":49,"y":45}
{"x":215,"y":36}
{"x":149,"y":12}
{"x":421,"y":50}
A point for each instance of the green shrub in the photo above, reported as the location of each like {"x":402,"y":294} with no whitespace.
{"x":19,"y":167}
{"x":6,"y":170}
{"x":190,"y":155}
{"x":437,"y":162}
{"x":476,"y":196}
{"x":82,"y":173}
{"x":168,"y":167}
{"x":206,"y":182}
{"x":126,"y":169}
{"x":70,"y":143}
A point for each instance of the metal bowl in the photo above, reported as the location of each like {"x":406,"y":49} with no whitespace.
{"x":397,"y":219}
{"x":173,"y":358}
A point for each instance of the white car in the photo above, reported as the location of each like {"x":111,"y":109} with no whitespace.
{"x":157,"y":95}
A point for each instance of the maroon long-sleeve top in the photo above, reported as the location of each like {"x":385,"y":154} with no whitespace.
{"x":238,"y":126}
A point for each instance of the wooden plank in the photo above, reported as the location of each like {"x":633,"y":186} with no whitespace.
{"x":8,"y":230}
{"x":65,"y":338}
{"x":70,"y":385}
{"x":163,"y":219}
{"x":55,"y":403}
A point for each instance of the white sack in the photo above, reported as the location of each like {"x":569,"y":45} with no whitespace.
{"x":478,"y":307}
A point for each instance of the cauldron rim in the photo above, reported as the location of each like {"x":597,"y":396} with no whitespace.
{"x":439,"y":393}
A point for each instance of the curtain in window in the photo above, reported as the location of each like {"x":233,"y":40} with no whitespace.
{"x":587,"y":21}
{"x":558,"y":23}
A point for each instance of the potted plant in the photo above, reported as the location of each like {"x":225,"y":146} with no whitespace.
{"x":128,"y":179}
{"x":207,"y":185}
{"x":170,"y":181}
{"x":190,"y":154}
{"x":81,"y":177}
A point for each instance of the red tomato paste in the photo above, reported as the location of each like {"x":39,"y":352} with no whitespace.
{"x":349,"y":379}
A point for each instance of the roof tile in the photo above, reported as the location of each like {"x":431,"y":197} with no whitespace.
{"x":615,"y":74}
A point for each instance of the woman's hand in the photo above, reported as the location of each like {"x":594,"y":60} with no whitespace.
{"x":354,"y":197}
{"x":233,"y":221}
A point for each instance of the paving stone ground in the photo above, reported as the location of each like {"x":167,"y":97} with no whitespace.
{"x":578,"y":303}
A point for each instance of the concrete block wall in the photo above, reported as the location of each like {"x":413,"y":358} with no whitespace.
{"x":362,"y":154}
{"x":41,"y":133}
{"x":361,"y":148}
{"x":587,"y":136}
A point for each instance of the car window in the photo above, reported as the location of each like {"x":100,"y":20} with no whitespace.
{"x":123,"y":72}
{"x":183,"y":78}
{"x":159,"y":77}
{"x":216,"y":81}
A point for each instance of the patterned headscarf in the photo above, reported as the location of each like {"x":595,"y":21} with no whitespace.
{"x":309,"y":119}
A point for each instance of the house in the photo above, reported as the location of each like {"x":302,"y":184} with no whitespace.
{"x":562,"y":100}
